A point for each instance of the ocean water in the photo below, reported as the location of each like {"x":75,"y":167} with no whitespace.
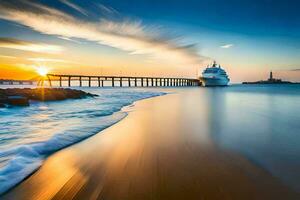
{"x":28,"y":135}
{"x":260,"y":122}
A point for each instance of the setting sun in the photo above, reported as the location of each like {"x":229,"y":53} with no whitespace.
{"x":43,"y":71}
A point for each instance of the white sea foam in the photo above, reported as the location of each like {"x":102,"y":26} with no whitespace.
{"x":30,"y":135}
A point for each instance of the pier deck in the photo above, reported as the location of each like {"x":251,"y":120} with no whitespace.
{"x":120,"y":80}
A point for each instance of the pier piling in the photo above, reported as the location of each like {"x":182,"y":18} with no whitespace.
{"x":69,"y":81}
{"x":135,"y":82}
{"x":60,"y":83}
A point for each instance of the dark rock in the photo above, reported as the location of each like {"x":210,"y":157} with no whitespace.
{"x":18,"y":101}
{"x":3,"y":100}
{"x":2,"y":105}
{"x":18,"y":96}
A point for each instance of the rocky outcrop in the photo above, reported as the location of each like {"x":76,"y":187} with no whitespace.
{"x":2,"y":105}
{"x":21,"y":97}
{"x":17,"y":101}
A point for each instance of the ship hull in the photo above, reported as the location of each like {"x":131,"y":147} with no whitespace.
{"x":210,"y":82}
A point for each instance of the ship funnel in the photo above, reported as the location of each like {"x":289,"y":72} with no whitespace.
{"x":214,"y":64}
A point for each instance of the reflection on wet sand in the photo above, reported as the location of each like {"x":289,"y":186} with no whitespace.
{"x":162,"y":150}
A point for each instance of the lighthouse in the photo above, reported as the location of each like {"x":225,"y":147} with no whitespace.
{"x":271,"y":76}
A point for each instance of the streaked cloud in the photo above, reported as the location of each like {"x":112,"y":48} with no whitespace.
{"x":227,"y":46}
{"x":24,"y":66}
{"x":9,"y":57}
{"x":23,"y":45}
{"x":50,"y":60}
{"x":107,"y":9}
{"x":127,"y":35}
{"x":289,"y":69}
{"x":70,"y":39}
{"x":74,"y":6}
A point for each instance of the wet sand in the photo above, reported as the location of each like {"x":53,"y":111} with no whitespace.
{"x":159,"y":151}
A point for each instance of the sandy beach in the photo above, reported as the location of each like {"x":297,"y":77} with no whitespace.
{"x":159,"y":151}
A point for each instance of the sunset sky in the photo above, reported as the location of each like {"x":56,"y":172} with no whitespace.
{"x":169,"y":38}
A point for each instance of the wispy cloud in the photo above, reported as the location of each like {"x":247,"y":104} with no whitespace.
{"x":289,"y":69}
{"x":107,"y":9}
{"x":227,"y":46}
{"x":12,"y":43}
{"x":50,"y":60}
{"x":74,"y":6}
{"x":9,"y":57}
{"x":23,"y":66}
{"x":128,"y":35}
{"x":69,"y":39}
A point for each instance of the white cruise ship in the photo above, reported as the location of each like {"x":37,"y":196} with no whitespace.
{"x":214,"y":75}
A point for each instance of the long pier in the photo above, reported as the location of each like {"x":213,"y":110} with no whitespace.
{"x":119,"y":80}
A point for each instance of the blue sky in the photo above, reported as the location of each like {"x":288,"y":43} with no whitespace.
{"x":250,"y":17}
{"x":248,"y":37}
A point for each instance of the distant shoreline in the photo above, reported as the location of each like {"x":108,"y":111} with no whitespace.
{"x":270,"y":83}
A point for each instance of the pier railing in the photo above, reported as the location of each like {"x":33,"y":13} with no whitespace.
{"x":15,"y":82}
{"x":120,"y":80}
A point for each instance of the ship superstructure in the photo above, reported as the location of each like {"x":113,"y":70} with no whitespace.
{"x":214,"y":75}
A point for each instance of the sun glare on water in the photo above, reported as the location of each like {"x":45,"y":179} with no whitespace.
{"x":42,"y":71}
